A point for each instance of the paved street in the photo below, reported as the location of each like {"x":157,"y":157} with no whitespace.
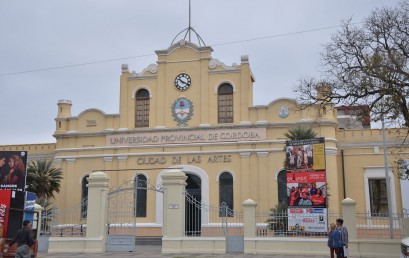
{"x":154,"y":251}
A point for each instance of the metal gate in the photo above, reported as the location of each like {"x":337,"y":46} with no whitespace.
{"x":123,"y":214}
{"x":209,"y":221}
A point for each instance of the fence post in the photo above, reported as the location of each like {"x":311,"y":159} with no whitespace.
{"x":405,"y":226}
{"x":174,"y":183}
{"x":97,"y":214}
{"x":39,"y":209}
{"x":349,"y":215}
{"x":249,"y":220}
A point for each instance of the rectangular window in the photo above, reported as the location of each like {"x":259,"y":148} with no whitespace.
{"x":142,"y":113}
{"x":141,"y":203}
{"x":225,"y":108}
{"x":378,"y":197}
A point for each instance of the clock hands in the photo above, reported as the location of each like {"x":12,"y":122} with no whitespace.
{"x":182,"y":81}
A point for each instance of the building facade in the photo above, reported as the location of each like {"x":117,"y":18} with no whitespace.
{"x":193,"y":112}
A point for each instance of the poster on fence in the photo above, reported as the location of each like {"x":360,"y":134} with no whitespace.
{"x":306,"y":185}
{"x":307,"y":220}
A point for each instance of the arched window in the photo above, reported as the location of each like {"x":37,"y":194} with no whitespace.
{"x":84,"y":197}
{"x":140,"y":195}
{"x":282,"y":186}
{"x":225,"y":103}
{"x":226,"y":192}
{"x":142,"y":108}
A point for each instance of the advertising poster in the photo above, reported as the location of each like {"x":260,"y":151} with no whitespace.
{"x":4,"y":209}
{"x":13,"y":170}
{"x":306,"y":185}
{"x":30,"y":200}
{"x":307,"y":219}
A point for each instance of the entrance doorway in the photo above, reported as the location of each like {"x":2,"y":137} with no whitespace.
{"x":193,"y":217}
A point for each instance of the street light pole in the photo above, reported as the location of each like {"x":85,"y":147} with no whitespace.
{"x":388,"y":188}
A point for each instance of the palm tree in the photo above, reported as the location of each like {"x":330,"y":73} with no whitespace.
{"x":43,"y":179}
{"x":300,"y":133}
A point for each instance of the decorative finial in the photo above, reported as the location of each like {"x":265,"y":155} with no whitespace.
{"x":189,"y":31}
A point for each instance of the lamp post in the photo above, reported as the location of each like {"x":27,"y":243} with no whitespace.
{"x":388,"y":188}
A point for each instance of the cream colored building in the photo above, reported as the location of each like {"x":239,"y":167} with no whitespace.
{"x":193,"y":112}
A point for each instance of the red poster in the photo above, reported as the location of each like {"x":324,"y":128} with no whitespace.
{"x":305,"y":177}
{"x":5,"y":196}
{"x":306,"y":174}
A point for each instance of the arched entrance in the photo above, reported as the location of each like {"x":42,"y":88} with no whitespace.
{"x":193,"y":218}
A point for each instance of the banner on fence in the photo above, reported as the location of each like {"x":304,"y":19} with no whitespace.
{"x":306,"y":185}
{"x":307,"y":219}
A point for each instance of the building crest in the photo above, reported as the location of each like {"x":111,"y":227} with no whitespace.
{"x":182,"y":111}
{"x":283,"y":112}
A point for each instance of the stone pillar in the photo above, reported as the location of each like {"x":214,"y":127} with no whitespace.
{"x":249,"y":220}
{"x":174,"y":183}
{"x":97,"y":215}
{"x":348,"y":215}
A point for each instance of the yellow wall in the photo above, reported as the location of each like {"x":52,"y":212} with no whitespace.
{"x":81,"y":141}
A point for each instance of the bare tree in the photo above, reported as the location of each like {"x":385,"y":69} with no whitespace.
{"x":366,"y":65}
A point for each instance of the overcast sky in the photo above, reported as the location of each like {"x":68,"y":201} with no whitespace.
{"x":37,"y":35}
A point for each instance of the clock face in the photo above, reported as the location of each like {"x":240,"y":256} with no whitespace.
{"x":182,"y":82}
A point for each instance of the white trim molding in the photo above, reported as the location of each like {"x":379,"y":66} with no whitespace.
{"x":379,"y":173}
{"x":204,"y":191}
{"x":224,"y":81}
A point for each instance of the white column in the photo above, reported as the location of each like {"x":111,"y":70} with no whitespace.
{"x":249,"y":220}
{"x":349,"y":213}
{"x":97,"y":214}
{"x":174,"y":183}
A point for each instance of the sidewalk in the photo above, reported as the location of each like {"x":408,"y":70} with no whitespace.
{"x":154,"y":251}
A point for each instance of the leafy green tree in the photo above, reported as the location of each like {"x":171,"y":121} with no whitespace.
{"x":43,"y":179}
{"x":366,"y":65}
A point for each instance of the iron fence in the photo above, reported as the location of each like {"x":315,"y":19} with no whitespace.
{"x":368,"y":225}
{"x":210,"y":221}
{"x":379,"y":225}
{"x":280,"y":224}
{"x":67,"y":222}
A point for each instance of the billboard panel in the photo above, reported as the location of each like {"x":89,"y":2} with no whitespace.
{"x":306,"y":185}
{"x":29,"y":203}
{"x":13,"y":170}
{"x":307,"y":219}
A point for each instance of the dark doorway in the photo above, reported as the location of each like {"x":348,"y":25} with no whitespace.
{"x":192,"y":208}
{"x":282,"y":187}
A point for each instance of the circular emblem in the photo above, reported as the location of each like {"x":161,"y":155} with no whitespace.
{"x":182,"y":82}
{"x":283,"y":112}
{"x":182,"y":111}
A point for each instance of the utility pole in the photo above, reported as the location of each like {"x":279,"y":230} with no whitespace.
{"x":388,"y":187}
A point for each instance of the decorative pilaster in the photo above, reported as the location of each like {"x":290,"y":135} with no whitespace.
{"x":245,"y":175}
{"x":262,"y":180}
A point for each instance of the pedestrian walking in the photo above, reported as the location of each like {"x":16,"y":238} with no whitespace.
{"x":24,"y":239}
{"x":344,"y":234}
